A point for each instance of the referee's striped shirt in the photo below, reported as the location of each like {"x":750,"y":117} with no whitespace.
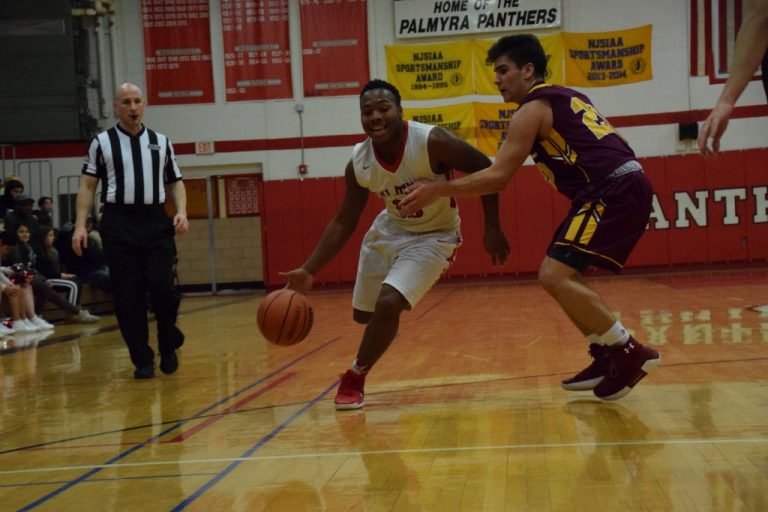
{"x":132,"y":169}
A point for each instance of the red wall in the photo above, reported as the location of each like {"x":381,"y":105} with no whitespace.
{"x":295,"y":213}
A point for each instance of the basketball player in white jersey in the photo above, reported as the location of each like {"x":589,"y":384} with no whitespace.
{"x":400,"y":258}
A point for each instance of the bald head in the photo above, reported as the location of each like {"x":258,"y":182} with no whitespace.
{"x":127,"y":88}
{"x":129,"y":107}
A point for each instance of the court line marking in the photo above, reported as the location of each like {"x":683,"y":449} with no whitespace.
{"x":151,"y":440}
{"x":234,"y":407}
{"x":246,"y":455}
{"x":48,"y":444}
{"x":413,"y":451}
{"x":41,"y":483}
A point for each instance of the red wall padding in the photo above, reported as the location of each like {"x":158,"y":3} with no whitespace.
{"x":756,"y":176}
{"x":295,"y":213}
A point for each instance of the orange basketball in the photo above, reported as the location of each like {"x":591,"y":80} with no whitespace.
{"x":285,"y":317}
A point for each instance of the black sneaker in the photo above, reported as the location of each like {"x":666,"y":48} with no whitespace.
{"x":144,"y":372}
{"x":169,"y":363}
{"x":593,"y":374}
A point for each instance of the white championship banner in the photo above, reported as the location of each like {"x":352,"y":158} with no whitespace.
{"x":425,"y":18}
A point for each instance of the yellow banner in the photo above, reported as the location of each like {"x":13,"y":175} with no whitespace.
{"x":492,"y":123}
{"x":458,"y":119}
{"x":553,"y":47}
{"x":601,"y":59}
{"x":430,"y":71}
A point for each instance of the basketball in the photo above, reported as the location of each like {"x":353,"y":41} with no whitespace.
{"x":285,"y":317}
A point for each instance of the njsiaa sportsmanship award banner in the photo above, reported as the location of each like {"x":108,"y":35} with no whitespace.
{"x":427,"y":71}
{"x":608,"y":58}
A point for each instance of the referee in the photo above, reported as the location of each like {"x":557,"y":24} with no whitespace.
{"x":136,"y":167}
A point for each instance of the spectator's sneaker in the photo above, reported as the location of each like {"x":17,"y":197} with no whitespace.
{"x":350,"y":393}
{"x":590,"y":376}
{"x":4,"y":331}
{"x":40,"y":323}
{"x":24,"y":325}
{"x":86,"y":317}
{"x":169,"y":362}
{"x":627,"y":365}
{"x":144,"y":372}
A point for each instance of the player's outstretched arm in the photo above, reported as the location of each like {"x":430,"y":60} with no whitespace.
{"x":521,"y":134}
{"x":750,"y":48}
{"x":336,"y":234}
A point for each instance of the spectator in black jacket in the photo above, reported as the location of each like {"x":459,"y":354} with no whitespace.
{"x":44,"y":212}
{"x":13,"y":188}
{"x":22,"y":214}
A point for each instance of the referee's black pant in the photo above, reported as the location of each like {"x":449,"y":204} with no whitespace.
{"x":140,"y":251}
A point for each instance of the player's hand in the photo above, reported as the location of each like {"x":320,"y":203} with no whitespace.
{"x":79,"y":240}
{"x":420,"y":194}
{"x":496,"y":245}
{"x":298,"y":279}
{"x":713,"y":128}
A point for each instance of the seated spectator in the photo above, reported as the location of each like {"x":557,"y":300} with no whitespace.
{"x":44,"y":213}
{"x":47,"y":263}
{"x":90,"y":268}
{"x":7,"y":288}
{"x":36,"y":291}
{"x":22,"y":214}
{"x":13,"y":189}
{"x":21,"y":275}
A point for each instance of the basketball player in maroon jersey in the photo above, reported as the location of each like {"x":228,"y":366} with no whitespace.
{"x":579,"y":153}
{"x":751,"y":47}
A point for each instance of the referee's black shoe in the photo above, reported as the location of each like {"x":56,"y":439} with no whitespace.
{"x":169,"y":362}
{"x":144,"y":372}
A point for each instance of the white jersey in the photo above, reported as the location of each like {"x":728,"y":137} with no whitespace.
{"x":390,"y":181}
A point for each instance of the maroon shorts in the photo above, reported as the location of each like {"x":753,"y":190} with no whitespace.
{"x":604,"y":223}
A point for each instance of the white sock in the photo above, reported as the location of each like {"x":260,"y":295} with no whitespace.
{"x":594,"y":338}
{"x":616,"y":335}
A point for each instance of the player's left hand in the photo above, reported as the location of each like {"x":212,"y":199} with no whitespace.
{"x":496,"y":245}
{"x":420,"y":194}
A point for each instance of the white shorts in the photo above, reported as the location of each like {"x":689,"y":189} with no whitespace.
{"x":409,"y":262}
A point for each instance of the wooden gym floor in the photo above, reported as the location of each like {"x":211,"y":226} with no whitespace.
{"x":464,"y":413}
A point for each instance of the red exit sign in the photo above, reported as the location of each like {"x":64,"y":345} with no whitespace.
{"x":204,"y":148}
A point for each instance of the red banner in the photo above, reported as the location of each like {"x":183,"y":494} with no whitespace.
{"x":334,"y":35}
{"x":257,"y":59}
{"x":177,"y":51}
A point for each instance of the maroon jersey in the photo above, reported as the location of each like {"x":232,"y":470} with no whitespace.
{"x":582,"y":147}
